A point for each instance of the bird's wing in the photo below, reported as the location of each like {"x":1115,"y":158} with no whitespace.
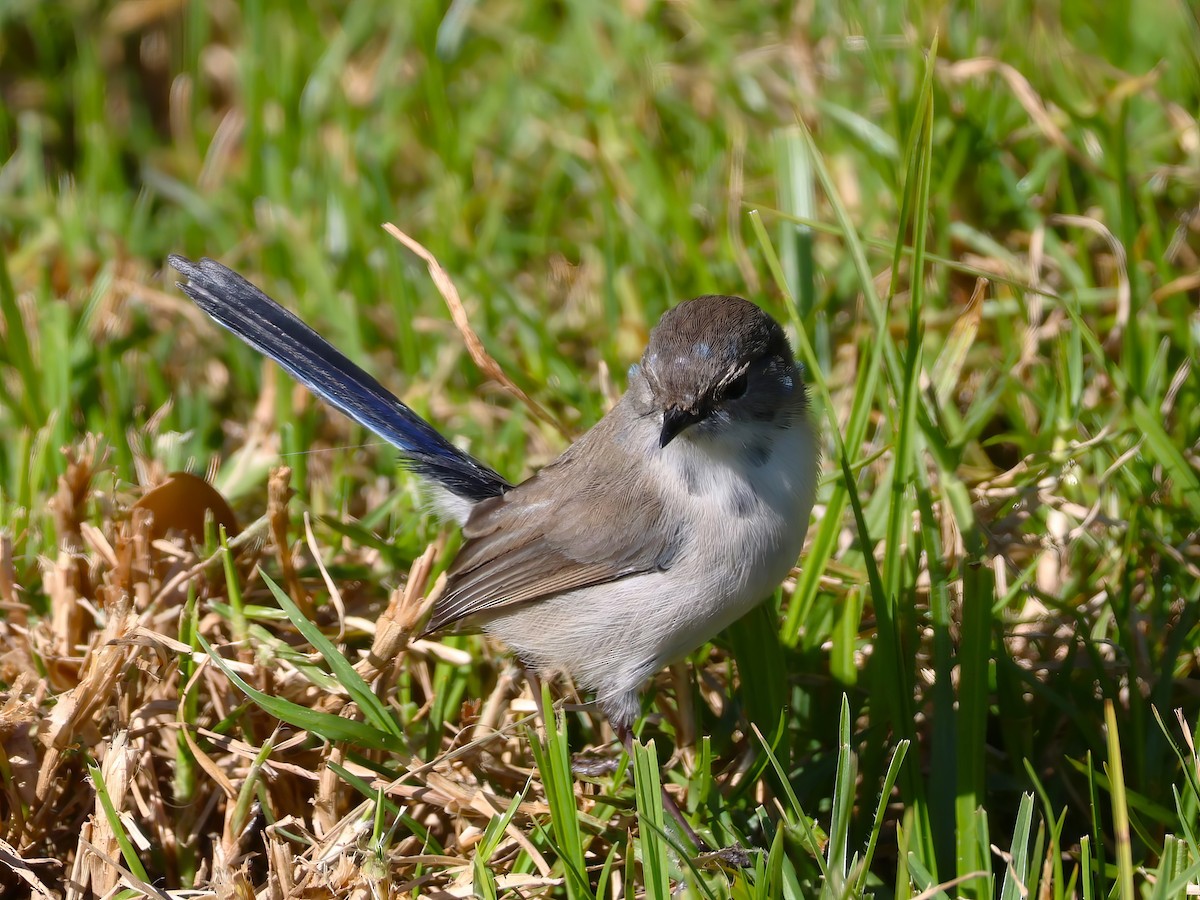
{"x":585,"y":519}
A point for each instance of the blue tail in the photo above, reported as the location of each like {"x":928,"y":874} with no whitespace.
{"x":270,"y":329}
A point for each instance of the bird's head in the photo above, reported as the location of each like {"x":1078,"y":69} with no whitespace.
{"x":715,"y":361}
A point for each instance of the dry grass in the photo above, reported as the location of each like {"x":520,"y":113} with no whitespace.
{"x":99,"y":683}
{"x":1016,"y":606}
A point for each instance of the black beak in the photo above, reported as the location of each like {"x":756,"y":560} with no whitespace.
{"x":674,"y":421}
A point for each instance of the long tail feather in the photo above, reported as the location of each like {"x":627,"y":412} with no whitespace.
{"x":236,"y":304}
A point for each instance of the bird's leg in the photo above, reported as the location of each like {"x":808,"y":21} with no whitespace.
{"x":625,"y":733}
{"x":535,"y":687}
{"x":584,"y":765}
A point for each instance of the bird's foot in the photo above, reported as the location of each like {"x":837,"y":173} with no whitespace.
{"x":735,"y":857}
{"x":595,"y":764}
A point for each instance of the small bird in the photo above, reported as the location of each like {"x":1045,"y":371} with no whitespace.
{"x":679,"y":511}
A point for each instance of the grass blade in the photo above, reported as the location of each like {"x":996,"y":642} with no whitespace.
{"x":656,"y":878}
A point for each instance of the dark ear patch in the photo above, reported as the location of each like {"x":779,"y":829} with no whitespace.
{"x":757,"y":454}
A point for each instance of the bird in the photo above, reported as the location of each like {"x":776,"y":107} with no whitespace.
{"x":680,"y":510}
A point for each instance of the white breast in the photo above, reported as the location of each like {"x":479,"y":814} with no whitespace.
{"x":746,"y":517}
{"x":749,"y":523}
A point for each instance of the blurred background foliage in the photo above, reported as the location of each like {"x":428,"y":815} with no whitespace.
{"x":579,"y":167}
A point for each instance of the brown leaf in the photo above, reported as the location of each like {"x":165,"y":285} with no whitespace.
{"x":180,"y":503}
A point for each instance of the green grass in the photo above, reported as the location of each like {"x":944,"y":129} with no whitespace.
{"x":979,"y":222}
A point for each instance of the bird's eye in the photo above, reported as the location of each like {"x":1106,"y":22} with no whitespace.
{"x":737,"y":388}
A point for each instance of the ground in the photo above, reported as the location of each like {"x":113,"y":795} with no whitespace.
{"x":979,"y":222}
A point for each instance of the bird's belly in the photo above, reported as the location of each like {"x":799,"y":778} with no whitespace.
{"x":746,"y":529}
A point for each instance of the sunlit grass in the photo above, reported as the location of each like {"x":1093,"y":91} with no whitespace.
{"x":978,"y":222}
